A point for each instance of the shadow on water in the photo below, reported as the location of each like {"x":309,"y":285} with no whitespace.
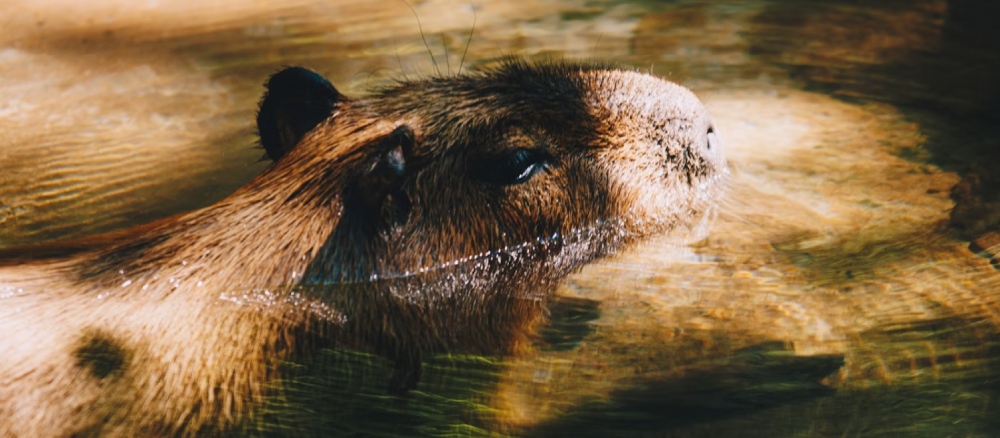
{"x":750,"y":380}
{"x":765,"y":391}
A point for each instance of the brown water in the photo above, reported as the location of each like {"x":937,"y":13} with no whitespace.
{"x":843,"y":240}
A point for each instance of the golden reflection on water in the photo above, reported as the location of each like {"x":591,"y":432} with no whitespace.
{"x":834,"y":240}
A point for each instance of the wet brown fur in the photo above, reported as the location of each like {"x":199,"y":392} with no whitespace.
{"x":176,"y":327}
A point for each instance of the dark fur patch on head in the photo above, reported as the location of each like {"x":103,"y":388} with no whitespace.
{"x":101,"y":355}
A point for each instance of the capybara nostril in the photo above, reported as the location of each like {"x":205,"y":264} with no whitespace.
{"x":713,"y":138}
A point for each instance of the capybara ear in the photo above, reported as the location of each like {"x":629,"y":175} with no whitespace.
{"x":297,"y":99}
{"x":378,"y":189}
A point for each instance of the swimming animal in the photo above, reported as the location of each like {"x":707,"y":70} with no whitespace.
{"x":431,"y":215}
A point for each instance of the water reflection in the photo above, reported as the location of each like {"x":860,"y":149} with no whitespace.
{"x":835,"y":295}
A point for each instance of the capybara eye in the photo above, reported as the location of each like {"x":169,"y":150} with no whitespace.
{"x":514,"y":167}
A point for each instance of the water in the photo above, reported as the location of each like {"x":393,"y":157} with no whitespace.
{"x":835,"y":295}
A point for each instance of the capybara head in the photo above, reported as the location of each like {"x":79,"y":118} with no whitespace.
{"x":531,"y":169}
{"x":461,"y":201}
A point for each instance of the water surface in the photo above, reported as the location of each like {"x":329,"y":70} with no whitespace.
{"x":836,"y":294}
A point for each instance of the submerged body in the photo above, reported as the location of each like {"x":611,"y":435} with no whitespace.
{"x":430,"y":216}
